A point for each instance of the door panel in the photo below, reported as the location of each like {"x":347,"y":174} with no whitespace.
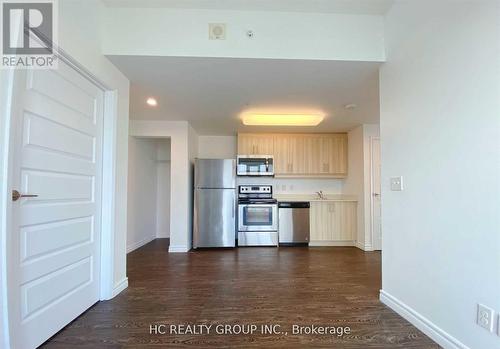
{"x":54,"y":246}
{"x":41,"y":239}
{"x":214,"y":220}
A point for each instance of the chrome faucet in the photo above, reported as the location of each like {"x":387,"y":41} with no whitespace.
{"x":320,"y":194}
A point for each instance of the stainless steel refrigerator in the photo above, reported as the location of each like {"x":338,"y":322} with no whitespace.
{"x":214,"y":203}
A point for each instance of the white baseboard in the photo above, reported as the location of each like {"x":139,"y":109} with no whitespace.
{"x":366,"y":248}
{"x":136,"y":245}
{"x":120,"y":287}
{"x":441,"y":337}
{"x":178,"y":248}
{"x":331,"y":243}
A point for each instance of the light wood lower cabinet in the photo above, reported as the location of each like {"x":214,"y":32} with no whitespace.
{"x":333,"y":223}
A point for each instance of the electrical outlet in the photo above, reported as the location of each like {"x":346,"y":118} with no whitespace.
{"x":485,"y":317}
{"x":396,"y":183}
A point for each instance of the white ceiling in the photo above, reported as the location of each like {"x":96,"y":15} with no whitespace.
{"x":371,"y":7}
{"x":210,"y":93}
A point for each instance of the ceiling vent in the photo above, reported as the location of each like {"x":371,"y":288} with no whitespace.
{"x":217,"y":31}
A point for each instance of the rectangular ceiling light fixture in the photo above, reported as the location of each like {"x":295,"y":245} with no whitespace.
{"x":282,"y":119}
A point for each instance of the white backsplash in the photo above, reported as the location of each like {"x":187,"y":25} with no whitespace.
{"x":297,"y":186}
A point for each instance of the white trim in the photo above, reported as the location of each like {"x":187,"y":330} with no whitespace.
{"x":366,"y":248}
{"x":108,"y":196}
{"x":136,"y":245}
{"x":178,"y":248}
{"x":120,"y":287}
{"x":6,"y":91}
{"x":371,"y":189}
{"x":332,"y":243}
{"x":437,"y":334}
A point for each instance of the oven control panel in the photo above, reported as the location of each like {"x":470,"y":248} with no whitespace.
{"x":255,"y":189}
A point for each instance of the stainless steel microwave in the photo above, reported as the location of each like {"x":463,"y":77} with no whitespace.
{"x":255,"y":165}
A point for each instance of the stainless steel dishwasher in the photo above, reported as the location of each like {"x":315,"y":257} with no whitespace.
{"x":293,"y":223}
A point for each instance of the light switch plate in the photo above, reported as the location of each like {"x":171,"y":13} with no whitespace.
{"x":498,"y":325}
{"x":397,"y":183}
{"x":485,"y":317}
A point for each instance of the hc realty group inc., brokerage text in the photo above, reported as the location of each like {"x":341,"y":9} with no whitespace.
{"x":247,"y":329}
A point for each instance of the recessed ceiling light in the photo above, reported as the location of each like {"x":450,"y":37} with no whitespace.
{"x":282,"y":119}
{"x":152,"y":102}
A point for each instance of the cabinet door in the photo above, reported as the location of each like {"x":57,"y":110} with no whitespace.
{"x":333,"y":154}
{"x":346,"y":216}
{"x":312,"y":159}
{"x":264,"y":145}
{"x":338,"y":155}
{"x":317,"y":221}
{"x":289,"y":154}
{"x":245,"y":145}
{"x":333,"y":221}
{"x":329,"y":221}
{"x":255,"y":144}
{"x":281,"y":158}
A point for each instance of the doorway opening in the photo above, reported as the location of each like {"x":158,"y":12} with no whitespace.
{"x":148,"y":191}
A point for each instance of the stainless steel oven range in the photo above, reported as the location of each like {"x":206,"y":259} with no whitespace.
{"x":257,"y":216}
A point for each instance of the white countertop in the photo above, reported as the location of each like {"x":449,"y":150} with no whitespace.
{"x":314,"y":197}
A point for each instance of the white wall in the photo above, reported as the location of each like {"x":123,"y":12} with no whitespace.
{"x":358,"y":181}
{"x":440,"y":130}
{"x":142,"y":192}
{"x":354,"y":183}
{"x":217,"y":147}
{"x":370,"y":131}
{"x":80,"y":37}
{"x":183,"y":149}
{"x":180,"y":32}
{"x":192,"y":155}
{"x":163,"y":189}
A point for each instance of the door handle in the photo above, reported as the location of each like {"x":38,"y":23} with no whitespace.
{"x":376,"y":194}
{"x":17,"y":195}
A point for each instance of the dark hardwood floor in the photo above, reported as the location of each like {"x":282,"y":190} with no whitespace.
{"x":335,"y":286}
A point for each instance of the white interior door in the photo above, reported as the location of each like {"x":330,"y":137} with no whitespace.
{"x":54,"y":243}
{"x":376,"y":211}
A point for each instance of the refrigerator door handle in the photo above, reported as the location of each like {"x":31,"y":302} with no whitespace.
{"x":232,"y":211}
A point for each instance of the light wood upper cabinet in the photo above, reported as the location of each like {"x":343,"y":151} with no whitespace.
{"x":255,"y":144}
{"x":333,"y":221}
{"x":300,"y":155}
{"x":333,"y":154}
{"x":289,"y":156}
